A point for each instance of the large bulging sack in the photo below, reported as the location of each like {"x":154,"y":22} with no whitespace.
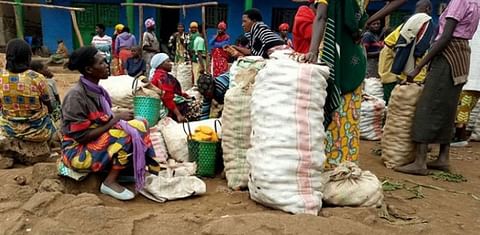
{"x":373,"y":86}
{"x":120,"y":90}
{"x":287,"y":154}
{"x":184,"y":75}
{"x":397,"y":145}
{"x":237,"y":128}
{"x":348,"y":185}
{"x":175,"y":139}
{"x":245,"y":63}
{"x":372,"y":113}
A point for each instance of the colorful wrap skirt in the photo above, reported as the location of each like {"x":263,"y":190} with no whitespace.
{"x":39,"y":128}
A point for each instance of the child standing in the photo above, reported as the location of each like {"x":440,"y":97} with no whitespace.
{"x":135,"y":66}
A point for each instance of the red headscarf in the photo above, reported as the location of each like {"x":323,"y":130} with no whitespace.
{"x":284,"y":27}
{"x":222,"y":25}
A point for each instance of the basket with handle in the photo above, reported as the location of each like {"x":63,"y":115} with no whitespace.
{"x":204,"y":153}
{"x":145,"y":106}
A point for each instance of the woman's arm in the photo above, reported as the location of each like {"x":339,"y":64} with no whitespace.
{"x":386,"y":10}
{"x":437,"y":47}
{"x":318,"y":32}
{"x":244,"y":51}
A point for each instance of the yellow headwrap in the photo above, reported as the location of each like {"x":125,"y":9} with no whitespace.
{"x":119,"y":27}
{"x":194,"y":25}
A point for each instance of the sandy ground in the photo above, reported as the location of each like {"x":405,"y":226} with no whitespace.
{"x":59,"y":206}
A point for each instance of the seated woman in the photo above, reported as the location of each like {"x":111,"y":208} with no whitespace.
{"x":96,"y":139}
{"x":161,"y":65}
{"x":24,"y":97}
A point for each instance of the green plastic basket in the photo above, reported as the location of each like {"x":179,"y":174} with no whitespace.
{"x":146,"y":107}
{"x":204,"y":153}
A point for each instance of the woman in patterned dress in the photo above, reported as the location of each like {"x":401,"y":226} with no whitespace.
{"x":339,"y":24}
{"x":95,"y":138}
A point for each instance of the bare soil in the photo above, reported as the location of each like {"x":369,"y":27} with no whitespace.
{"x":56,"y":206}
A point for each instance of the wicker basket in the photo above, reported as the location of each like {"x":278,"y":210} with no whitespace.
{"x":146,"y":107}
{"x":204,"y":153}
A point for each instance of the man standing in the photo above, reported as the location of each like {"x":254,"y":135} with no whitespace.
{"x":397,"y":57}
{"x":178,"y":44}
{"x":198,"y":51}
{"x":151,"y":46}
{"x":103,"y":42}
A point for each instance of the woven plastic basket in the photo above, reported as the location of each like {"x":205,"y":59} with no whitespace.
{"x":146,"y":107}
{"x":204,"y":153}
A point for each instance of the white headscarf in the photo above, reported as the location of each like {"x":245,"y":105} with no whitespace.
{"x":156,"y":61}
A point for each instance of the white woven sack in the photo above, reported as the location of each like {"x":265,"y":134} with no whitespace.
{"x":162,"y":189}
{"x":373,"y":86}
{"x":120,"y":90}
{"x":245,"y":63}
{"x":175,"y":139}
{"x":348,"y":185}
{"x":184,"y":75}
{"x":474,"y":116}
{"x":237,"y":128}
{"x":287,"y":154}
{"x":397,"y":145}
{"x":476,"y":130}
{"x":372,"y":113}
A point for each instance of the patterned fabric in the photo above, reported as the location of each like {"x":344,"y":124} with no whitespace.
{"x":222,"y":84}
{"x":82,"y":112}
{"x":113,"y":148}
{"x":351,"y":56}
{"x":219,"y":56}
{"x":178,"y":45}
{"x":457,"y":54}
{"x":21,"y":94}
{"x":343,"y":134}
{"x":23,"y":114}
{"x":104,"y":45}
{"x":468,"y":100}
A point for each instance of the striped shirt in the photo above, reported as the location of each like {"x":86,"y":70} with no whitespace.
{"x":262,"y":38}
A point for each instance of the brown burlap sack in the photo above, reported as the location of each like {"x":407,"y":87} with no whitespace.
{"x":397,"y":145}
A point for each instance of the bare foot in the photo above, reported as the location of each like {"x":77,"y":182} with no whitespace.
{"x":114,"y":186}
{"x":412,"y":169}
{"x":439,"y":165}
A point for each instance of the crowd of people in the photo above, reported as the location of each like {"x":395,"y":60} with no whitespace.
{"x":339,"y":33}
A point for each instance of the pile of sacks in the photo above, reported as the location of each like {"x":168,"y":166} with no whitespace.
{"x":287,"y":154}
{"x":397,"y":145}
{"x":120,"y":89}
{"x":372,"y":113}
{"x":183,"y":73}
{"x":237,"y":126}
{"x":373,"y":87}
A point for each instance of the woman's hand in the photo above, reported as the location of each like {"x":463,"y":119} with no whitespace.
{"x":124,"y":115}
{"x":311,"y":57}
{"x":181,"y":118}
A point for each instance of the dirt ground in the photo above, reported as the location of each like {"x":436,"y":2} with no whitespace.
{"x":59,"y":206}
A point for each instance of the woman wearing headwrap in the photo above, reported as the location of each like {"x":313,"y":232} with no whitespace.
{"x":151,"y":46}
{"x":97,"y":139}
{"x":283,"y":29}
{"x":115,"y":66}
{"x":219,"y":56}
{"x":161,"y":65}
{"x":24,"y":97}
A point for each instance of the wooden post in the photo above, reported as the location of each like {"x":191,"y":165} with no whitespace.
{"x":204,"y":29}
{"x":140,"y":24}
{"x":18,"y":10}
{"x":75,"y":27}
